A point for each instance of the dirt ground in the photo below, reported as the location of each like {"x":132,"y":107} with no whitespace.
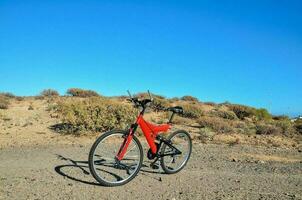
{"x":37,"y":163}
{"x":213,"y":172}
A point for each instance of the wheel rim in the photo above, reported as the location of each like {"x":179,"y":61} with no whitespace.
{"x":182,"y":142}
{"x":107,"y":168}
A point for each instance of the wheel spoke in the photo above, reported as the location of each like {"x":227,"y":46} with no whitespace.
{"x":107,"y":169}
{"x":180,"y":142}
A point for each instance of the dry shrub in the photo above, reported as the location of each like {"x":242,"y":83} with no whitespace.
{"x":7,"y":94}
{"x":243,"y":112}
{"x":4,"y":102}
{"x":30,"y":107}
{"x":216,"y":124}
{"x":49,"y":93}
{"x":280,"y":117}
{"x":223,"y":114}
{"x":189,"y":98}
{"x":209,"y":103}
{"x":18,"y":98}
{"x":77,"y":92}
{"x":94,"y":114}
{"x":206,"y":135}
{"x":230,"y":139}
{"x":174,"y":99}
{"x":159,"y":102}
{"x":180,"y":120}
{"x":267,"y":129}
{"x":298,"y":125}
{"x":285,"y":125}
{"x":192,"y":111}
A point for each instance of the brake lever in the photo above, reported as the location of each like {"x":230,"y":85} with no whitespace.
{"x":150,"y":96}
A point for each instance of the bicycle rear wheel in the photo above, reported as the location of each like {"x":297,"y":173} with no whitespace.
{"x":105,"y":168}
{"x":181,"y":140}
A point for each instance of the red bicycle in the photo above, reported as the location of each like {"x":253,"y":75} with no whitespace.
{"x":117,"y":156}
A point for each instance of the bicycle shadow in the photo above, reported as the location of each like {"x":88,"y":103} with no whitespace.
{"x":65,"y":170}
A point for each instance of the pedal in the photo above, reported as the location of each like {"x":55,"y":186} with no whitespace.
{"x":154,"y":166}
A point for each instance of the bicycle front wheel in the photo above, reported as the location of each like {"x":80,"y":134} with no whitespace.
{"x":105,"y":168}
{"x":180,"y":141}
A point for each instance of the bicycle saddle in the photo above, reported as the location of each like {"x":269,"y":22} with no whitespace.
{"x":176,"y":109}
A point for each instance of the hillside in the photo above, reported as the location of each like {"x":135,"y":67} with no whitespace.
{"x":238,"y":152}
{"x":50,"y":118}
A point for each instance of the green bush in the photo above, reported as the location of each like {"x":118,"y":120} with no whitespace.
{"x":77,"y":92}
{"x":262,"y":114}
{"x":94,"y":114}
{"x":49,"y":93}
{"x":216,"y":124}
{"x":192,"y":111}
{"x":4,"y":102}
{"x":189,"y":98}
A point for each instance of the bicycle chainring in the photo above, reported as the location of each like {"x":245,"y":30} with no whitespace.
{"x":150,"y":154}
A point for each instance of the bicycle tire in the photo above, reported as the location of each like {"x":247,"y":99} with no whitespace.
{"x":91,"y":159}
{"x":162,"y":162}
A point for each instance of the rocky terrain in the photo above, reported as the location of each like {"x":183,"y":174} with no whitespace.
{"x":213,"y":172}
{"x":37,"y":162}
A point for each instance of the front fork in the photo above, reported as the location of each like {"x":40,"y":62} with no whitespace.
{"x":127,"y":140}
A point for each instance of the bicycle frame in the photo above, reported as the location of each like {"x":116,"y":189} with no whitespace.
{"x":150,"y":132}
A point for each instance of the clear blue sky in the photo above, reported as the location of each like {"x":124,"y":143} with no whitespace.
{"x":247,"y":52}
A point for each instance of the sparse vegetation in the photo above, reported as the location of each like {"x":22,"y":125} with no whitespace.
{"x":298,"y":125}
{"x":94,"y":114}
{"x":206,"y":121}
{"x":7,"y":94}
{"x":77,"y":92}
{"x":31,"y":107}
{"x":216,"y":124}
{"x":49,"y":93}
{"x":192,"y":111}
{"x":243,"y":112}
{"x":267,"y":129}
{"x":223,"y":114}
{"x":4,"y":102}
{"x":189,"y":98}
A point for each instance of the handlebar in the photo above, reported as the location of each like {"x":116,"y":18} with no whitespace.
{"x":138,"y":102}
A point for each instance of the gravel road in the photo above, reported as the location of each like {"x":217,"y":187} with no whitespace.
{"x":213,"y":172}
